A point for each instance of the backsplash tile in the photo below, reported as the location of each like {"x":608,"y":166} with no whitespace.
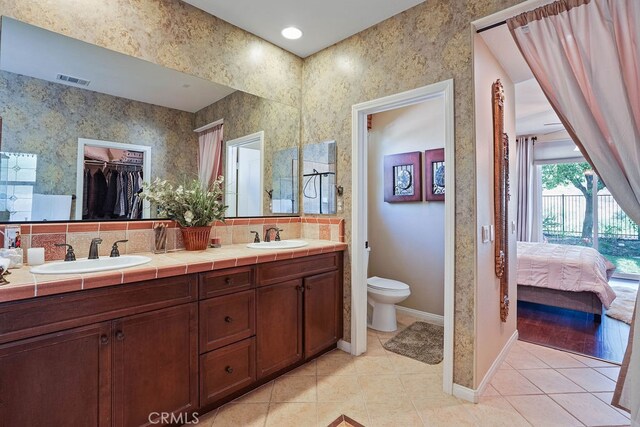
{"x":48,"y":242}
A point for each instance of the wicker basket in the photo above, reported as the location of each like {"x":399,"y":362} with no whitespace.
{"x":196,"y":238}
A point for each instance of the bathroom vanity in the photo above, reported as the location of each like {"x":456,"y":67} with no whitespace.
{"x":119,"y":355}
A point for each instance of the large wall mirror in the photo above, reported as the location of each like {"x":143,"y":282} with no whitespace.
{"x":319,"y":178}
{"x":72,"y":111}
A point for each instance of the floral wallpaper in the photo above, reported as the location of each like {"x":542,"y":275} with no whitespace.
{"x":245,"y":114}
{"x":173,"y":34}
{"x":47,"y":119}
{"x":426,"y":44}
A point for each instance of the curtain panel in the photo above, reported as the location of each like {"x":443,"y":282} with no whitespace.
{"x":524,"y":176}
{"x":210,"y":155}
{"x":585,"y":54}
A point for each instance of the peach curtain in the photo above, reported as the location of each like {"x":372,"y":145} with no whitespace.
{"x":586,"y":56}
{"x":210,"y":155}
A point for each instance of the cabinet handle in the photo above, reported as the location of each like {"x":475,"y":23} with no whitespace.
{"x":104,"y":339}
{"x":228,"y":319}
{"x":229,"y":370}
{"x":228,"y":281}
{"x":300,"y":288}
{"x":308,"y":287}
{"x":119,"y":335}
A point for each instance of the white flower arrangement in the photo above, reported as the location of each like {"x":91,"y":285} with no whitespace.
{"x":190,"y":204}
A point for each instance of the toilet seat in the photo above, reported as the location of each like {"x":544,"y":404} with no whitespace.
{"x":382,"y":284}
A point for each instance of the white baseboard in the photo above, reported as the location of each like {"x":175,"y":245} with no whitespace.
{"x":434,"y":319}
{"x":344,"y":346}
{"x":471,"y":395}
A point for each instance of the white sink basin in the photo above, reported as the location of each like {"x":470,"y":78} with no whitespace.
{"x":90,"y":265}
{"x":282,"y":244}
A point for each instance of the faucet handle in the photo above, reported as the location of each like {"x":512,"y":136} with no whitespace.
{"x":256,"y":239}
{"x":278,"y":230}
{"x":71,"y":255}
{"x":115,"y":252}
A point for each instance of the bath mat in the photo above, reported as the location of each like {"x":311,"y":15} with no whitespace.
{"x":421,"y":341}
{"x":622,"y":307}
{"x":344,"y":421}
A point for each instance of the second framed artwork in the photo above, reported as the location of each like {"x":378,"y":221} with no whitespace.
{"x":403,"y":176}
{"x":434,"y":174}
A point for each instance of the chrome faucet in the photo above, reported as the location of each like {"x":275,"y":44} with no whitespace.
{"x":267,"y":234}
{"x":93,"y":249}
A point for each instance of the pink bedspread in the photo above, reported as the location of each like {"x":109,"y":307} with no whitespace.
{"x":567,"y":268}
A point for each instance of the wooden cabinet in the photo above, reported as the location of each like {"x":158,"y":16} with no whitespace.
{"x":155,"y":365}
{"x":227,"y":319}
{"x":59,"y":379}
{"x":322,"y":312}
{"x":279,"y":326}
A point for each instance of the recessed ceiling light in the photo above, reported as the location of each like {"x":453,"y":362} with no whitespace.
{"x":291,"y":33}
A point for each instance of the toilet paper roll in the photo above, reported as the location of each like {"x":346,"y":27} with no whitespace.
{"x":35,"y":256}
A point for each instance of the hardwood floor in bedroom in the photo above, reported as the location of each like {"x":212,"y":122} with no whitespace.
{"x":573,"y":330}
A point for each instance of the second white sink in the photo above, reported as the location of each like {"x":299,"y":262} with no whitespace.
{"x":280,"y":244}
{"x":90,"y":265}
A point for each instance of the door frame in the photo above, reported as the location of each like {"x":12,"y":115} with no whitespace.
{"x":359,"y":146}
{"x":243,"y":140}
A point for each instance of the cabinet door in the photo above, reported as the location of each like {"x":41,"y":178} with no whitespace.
{"x":322,"y":316}
{"x":61,"y":379}
{"x":279,"y":326}
{"x":155,"y":365}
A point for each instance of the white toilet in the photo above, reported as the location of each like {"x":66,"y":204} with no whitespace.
{"x":383,"y":295}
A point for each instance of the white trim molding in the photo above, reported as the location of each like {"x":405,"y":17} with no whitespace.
{"x":244,"y":140}
{"x":473,"y":396}
{"x":209,"y":126}
{"x":434,"y":319}
{"x":344,"y":346}
{"x":359,"y":147}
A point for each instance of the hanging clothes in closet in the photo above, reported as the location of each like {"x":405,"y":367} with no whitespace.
{"x":111,"y":190}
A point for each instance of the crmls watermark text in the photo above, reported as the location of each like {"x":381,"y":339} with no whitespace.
{"x":161,"y":418}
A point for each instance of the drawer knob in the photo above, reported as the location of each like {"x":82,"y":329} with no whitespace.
{"x":104,"y":339}
{"x":119,"y":335}
{"x":229,"y":370}
{"x":228,"y":281}
{"x":228,"y":319}
{"x":300,"y":288}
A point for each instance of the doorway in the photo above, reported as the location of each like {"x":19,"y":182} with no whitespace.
{"x":244,"y":175}
{"x":360,"y":214}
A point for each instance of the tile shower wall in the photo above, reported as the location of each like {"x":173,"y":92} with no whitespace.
{"x":426,"y":44}
{"x":141,"y":235}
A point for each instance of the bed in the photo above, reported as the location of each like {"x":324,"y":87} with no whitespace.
{"x":571,"y":277}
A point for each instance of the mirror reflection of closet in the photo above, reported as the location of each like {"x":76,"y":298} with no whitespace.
{"x":319,"y":178}
{"x":109,"y":181}
{"x":244,"y":175}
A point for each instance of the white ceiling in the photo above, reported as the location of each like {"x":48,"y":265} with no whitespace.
{"x":323,"y":23}
{"x":34,"y":52}
{"x":534,"y":115}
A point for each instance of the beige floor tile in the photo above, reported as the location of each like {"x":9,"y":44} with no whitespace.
{"x":338,"y":388}
{"x":554,"y":358}
{"x":329,"y":411}
{"x":505,"y":366}
{"x":550,"y":381}
{"x":512,"y":383}
{"x":241,"y":414}
{"x":589,"y":409}
{"x":490,"y":391}
{"x":292,"y":415}
{"x":423,"y":385}
{"x":607,"y":397}
{"x":306,"y":369}
{"x":373,"y":365}
{"x":294,"y":389}
{"x":522,"y":359}
{"x":374,"y":346}
{"x":445,"y":412}
{"x":589,"y":379}
{"x":611,"y":373}
{"x":336,"y":362}
{"x":260,"y":395}
{"x":206,"y":419}
{"x":382,"y":388}
{"x":496,"y":412}
{"x":393,"y":413}
{"x":407,"y":365}
{"x":591,"y":361}
{"x":541,"y":410}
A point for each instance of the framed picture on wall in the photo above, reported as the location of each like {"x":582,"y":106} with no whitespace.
{"x":403,"y":177}
{"x":434,"y":173}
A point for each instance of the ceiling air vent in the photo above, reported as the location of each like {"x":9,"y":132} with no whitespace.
{"x":73,"y":80}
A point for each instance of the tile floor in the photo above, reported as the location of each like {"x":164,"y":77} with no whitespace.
{"x":535,"y":386}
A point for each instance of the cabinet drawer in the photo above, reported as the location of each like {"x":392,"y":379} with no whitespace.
{"x":226,"y":370}
{"x":227,"y":319}
{"x":280,"y":271}
{"x":226,"y":281}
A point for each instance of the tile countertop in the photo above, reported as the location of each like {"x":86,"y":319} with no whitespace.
{"x":24,"y":284}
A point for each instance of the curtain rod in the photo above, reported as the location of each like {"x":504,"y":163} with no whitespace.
{"x":209,"y":126}
{"x":497,"y":24}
